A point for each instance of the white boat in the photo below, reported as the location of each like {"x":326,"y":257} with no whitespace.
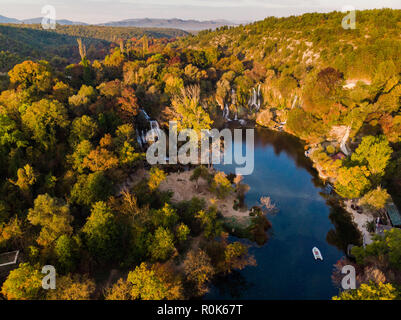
{"x":317,"y":254}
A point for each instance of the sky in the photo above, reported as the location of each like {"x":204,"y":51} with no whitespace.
{"x":98,"y":11}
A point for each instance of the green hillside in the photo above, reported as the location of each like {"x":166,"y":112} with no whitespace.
{"x":20,"y":42}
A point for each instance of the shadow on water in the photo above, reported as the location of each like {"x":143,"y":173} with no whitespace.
{"x":291,"y":146}
{"x":344,"y":232}
{"x":233,"y":285}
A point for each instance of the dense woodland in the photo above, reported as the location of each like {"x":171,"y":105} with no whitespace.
{"x":19,"y":42}
{"x":68,"y":139}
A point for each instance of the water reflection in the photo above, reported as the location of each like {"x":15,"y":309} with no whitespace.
{"x":233,"y":285}
{"x":344,"y":232}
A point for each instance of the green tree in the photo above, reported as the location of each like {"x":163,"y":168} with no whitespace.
{"x":30,"y":75}
{"x":236,"y":257}
{"x":81,"y":151}
{"x":26,"y":178}
{"x":199,"y":270}
{"x":66,"y":250}
{"x":371,"y":291}
{"x":165,"y":217}
{"x":53,"y":215}
{"x":102,"y":232}
{"x":221,"y":185}
{"x":83,"y":128}
{"x":182,"y":232}
{"x":352,"y":182}
{"x":200,"y":172}
{"x":91,"y":188}
{"x":72,"y":287}
{"x":161,"y":246}
{"x":188,"y":110}
{"x":10,"y":135}
{"x":44,"y":118}
{"x":386,"y":248}
{"x":23,"y":283}
{"x":154,"y":282}
{"x":83,"y":98}
{"x":121,"y":290}
{"x":375,"y":153}
{"x":212,"y":226}
{"x":156,"y":177}
{"x":376,"y":198}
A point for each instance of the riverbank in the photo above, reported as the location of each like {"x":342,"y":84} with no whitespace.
{"x":360,"y":219}
{"x":184,"y":190}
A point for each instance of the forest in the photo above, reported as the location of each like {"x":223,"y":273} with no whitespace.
{"x":19,"y":42}
{"x":69,"y":137}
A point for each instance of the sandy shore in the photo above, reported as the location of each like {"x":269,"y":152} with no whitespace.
{"x":185,"y":190}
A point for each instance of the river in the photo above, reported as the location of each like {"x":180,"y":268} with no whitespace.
{"x":306,"y":218}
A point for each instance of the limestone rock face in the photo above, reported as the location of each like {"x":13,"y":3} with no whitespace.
{"x":265,"y":118}
{"x":337,"y":133}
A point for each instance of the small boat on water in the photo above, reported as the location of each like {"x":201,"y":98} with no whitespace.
{"x":317,"y":254}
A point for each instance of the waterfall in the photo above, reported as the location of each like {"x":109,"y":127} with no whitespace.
{"x":156,"y":131}
{"x":259,"y":99}
{"x":226,"y":113}
{"x":145,"y":114}
{"x":154,"y":127}
{"x":343,"y":144}
{"x":233,"y":98}
{"x":255,"y":99}
{"x":138,"y":138}
{"x":143,"y":137}
{"x":294,"y":102}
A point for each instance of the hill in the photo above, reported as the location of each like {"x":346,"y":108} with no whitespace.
{"x":313,"y":39}
{"x":187,"y":25}
{"x":60,"y":21}
{"x":4,"y":19}
{"x":26,"y":41}
{"x":106,"y":33}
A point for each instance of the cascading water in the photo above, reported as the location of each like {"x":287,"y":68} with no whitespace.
{"x":156,"y":131}
{"x":226,"y":113}
{"x":294,"y":102}
{"x":145,"y":115}
{"x":343,"y":144}
{"x":138,"y":138}
{"x":255,"y":99}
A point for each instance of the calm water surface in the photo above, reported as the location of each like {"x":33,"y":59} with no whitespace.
{"x":286,"y":268}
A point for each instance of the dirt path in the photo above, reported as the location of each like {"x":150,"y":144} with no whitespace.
{"x":360,"y":219}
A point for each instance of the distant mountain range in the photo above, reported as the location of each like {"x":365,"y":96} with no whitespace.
{"x":62,"y":22}
{"x":4,"y":19}
{"x":187,"y":25}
